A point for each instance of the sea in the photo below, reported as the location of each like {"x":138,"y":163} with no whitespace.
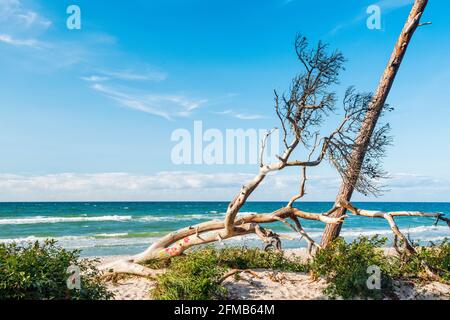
{"x":124,"y":228}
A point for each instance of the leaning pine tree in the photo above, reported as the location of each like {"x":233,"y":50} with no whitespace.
{"x":356,"y":163}
{"x":301,"y":111}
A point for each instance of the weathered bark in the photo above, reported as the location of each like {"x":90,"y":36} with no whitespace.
{"x":371,"y":118}
{"x":179,"y":241}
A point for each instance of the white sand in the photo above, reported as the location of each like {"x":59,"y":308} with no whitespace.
{"x":131,"y":289}
{"x":273,"y":285}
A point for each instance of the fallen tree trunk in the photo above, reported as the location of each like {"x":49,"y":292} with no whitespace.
{"x":179,"y":241}
{"x":371,"y":118}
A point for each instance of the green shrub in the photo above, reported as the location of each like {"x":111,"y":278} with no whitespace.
{"x":197,"y":275}
{"x":436,"y":256}
{"x":251,"y":258}
{"x":345,"y":267}
{"x":192,"y":277}
{"x":37,"y":271}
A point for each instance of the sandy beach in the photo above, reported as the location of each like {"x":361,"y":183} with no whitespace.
{"x":275,"y":285}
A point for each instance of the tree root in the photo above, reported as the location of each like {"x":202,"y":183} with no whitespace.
{"x":238,"y":271}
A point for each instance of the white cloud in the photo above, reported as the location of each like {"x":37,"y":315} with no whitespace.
{"x":32,"y":18}
{"x":173,"y":186}
{"x":15,"y":15}
{"x":166,"y":106}
{"x":131,"y":75}
{"x":89,"y":55}
{"x":95,"y":78}
{"x":5,"y":38}
{"x":241,"y":116}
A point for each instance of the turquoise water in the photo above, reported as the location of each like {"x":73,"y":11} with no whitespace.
{"x":112,"y":228}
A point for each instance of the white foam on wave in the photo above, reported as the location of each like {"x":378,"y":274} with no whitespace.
{"x":83,"y":242}
{"x":34,"y":239}
{"x":386,"y":232}
{"x":111,"y":235}
{"x":85,"y":218}
{"x":188,"y":217}
{"x":356,"y":232}
{"x":424,"y":233}
{"x":41,"y":219}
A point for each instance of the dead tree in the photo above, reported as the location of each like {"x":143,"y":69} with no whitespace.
{"x":301,"y":112}
{"x":358,"y":166}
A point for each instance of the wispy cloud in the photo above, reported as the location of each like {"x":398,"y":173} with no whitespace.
{"x":97,"y":61}
{"x":94,"y":78}
{"x":31,"y":18}
{"x":166,"y":106}
{"x":241,"y":116}
{"x":20,"y":26}
{"x":97,"y":64}
{"x":8,"y":39}
{"x":113,"y":78}
{"x":149,"y":74}
{"x":15,"y":15}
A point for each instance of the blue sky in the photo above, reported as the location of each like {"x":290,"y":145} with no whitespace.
{"x":88,"y":114}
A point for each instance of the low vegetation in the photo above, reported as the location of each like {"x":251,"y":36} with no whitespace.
{"x":436,"y":256}
{"x":38,"y":271}
{"x":345,"y":267}
{"x":199,"y":274}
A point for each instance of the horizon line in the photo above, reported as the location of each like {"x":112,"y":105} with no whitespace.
{"x":202,"y":201}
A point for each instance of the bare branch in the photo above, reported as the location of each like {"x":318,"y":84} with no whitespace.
{"x":237,"y":271}
{"x":389,"y":217}
{"x":263,"y":146}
